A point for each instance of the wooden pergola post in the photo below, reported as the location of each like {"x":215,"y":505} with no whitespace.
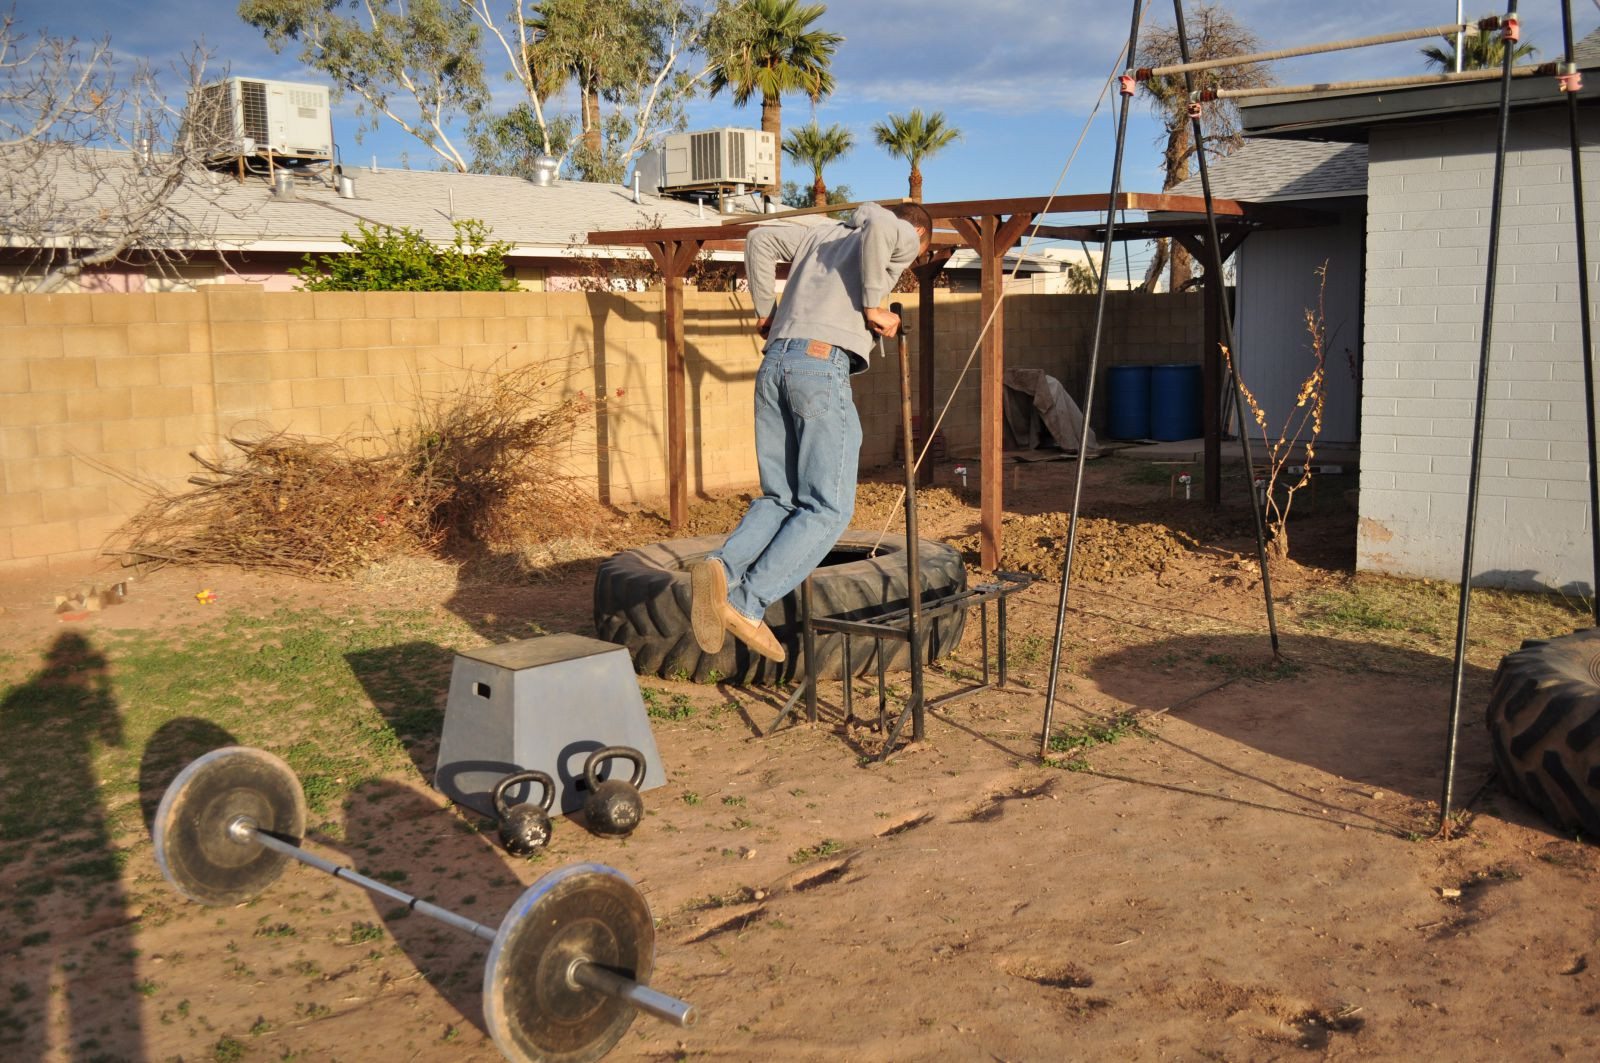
{"x":673,"y":258}
{"x":991,"y":235}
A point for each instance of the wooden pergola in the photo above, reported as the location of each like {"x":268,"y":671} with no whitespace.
{"x":990,"y":227}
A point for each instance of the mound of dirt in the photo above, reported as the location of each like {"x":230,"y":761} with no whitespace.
{"x":1105,"y":550}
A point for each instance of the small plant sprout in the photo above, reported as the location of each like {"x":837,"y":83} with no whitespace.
{"x":1287,"y":464}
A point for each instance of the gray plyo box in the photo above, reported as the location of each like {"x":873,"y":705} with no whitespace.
{"x":541,"y":704}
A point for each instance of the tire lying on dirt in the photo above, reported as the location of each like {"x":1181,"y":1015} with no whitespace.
{"x":641,"y":601}
{"x":1544,"y":727}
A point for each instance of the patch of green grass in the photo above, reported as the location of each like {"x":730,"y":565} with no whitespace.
{"x":1343,"y":610}
{"x":1027,"y":650}
{"x":1234,"y":668}
{"x":826,"y":847}
{"x":1075,"y":740}
{"x":363,"y":932}
{"x":275,"y":930}
{"x":227,"y":1050}
{"x":660,"y":705}
{"x":690,"y":797}
{"x":732,"y":800}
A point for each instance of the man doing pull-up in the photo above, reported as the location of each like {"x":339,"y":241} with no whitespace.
{"x":807,"y":433}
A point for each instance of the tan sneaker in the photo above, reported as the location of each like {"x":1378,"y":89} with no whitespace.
{"x":753,"y":633}
{"x":708,"y":585}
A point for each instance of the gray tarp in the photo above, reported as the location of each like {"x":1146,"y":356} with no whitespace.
{"x":1038,"y":409}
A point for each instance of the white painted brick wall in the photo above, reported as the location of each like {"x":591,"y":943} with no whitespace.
{"x":1427,"y":241}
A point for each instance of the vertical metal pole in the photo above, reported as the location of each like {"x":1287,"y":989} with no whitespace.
{"x":983,"y":642}
{"x":1000,"y":613}
{"x":808,"y":640}
{"x":1461,"y":37}
{"x":1088,"y":392}
{"x":1214,"y":272}
{"x":1475,"y":469}
{"x":1584,"y":309}
{"x":849,"y":668}
{"x":913,"y":567}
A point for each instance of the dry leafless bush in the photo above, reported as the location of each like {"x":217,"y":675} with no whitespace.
{"x":486,"y":466}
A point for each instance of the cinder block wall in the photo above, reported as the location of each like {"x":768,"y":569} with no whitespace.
{"x":1427,"y":241}
{"x":99,"y":390}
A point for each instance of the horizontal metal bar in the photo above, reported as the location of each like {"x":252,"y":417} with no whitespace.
{"x":1489,"y":74}
{"x":1447,"y":30}
{"x":650,"y":1001}
{"x":250,"y":831}
{"x":872,"y":629}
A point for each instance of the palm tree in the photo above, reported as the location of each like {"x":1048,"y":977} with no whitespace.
{"x":818,"y":147}
{"x":768,"y":47}
{"x":914,"y":138}
{"x":1479,"y":51}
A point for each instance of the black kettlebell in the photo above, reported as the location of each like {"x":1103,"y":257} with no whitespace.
{"x":613,"y":806}
{"x":527,"y":827}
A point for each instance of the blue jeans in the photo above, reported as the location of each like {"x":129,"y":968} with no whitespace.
{"x":808,"y":438}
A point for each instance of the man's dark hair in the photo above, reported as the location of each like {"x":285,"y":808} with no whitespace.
{"x":914,"y":214}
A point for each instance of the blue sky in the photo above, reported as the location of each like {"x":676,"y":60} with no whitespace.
{"x":1017,"y":77}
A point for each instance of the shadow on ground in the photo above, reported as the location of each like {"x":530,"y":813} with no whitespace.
{"x":60,"y":869}
{"x":1373,"y":715}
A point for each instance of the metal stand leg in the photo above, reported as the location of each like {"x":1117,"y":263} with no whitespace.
{"x":808,"y":639}
{"x":848,"y":677}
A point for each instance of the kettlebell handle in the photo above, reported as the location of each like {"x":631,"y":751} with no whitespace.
{"x":613,"y":753}
{"x":545,"y":800}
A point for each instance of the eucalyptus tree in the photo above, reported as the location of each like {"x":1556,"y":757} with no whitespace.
{"x":1213,"y":33}
{"x":768,"y":48}
{"x":914,"y":137}
{"x":422,"y":64}
{"x":818,"y":148}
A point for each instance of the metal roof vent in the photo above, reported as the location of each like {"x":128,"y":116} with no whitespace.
{"x":282,"y":186}
{"x":544,"y":170}
{"x":347,"y":186}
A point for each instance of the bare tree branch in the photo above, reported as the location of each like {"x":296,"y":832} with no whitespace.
{"x":98,"y":166}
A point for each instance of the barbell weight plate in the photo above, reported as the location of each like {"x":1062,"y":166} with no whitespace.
{"x":532,"y":1012}
{"x":193,"y":846}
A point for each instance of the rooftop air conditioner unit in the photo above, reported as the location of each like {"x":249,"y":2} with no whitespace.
{"x":248,"y":116}
{"x":719,"y":157}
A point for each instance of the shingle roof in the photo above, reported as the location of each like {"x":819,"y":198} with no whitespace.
{"x":537,"y":219}
{"x":1262,"y":171}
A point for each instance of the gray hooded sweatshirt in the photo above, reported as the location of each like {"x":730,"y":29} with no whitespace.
{"x":836,"y":272}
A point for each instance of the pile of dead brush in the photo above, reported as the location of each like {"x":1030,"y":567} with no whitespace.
{"x":487,"y":467}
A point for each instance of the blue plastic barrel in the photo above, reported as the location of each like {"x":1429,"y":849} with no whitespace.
{"x":1129,"y":388}
{"x":1174,"y":402}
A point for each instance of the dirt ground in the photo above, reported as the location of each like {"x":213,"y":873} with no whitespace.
{"x":1250,"y":873}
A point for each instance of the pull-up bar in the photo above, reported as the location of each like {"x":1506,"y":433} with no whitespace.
{"x":1448,"y":30}
{"x":1487,"y":74}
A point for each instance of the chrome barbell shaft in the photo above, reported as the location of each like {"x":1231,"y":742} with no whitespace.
{"x":650,"y":1001}
{"x":243,"y":829}
{"x":583,"y":972}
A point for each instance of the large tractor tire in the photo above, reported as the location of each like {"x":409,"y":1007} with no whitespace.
{"x":641,"y":601}
{"x":1544,"y":727}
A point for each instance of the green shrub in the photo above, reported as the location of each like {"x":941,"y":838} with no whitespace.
{"x":403,"y":260}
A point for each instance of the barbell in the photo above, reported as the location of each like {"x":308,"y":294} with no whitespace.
{"x":568,"y":966}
